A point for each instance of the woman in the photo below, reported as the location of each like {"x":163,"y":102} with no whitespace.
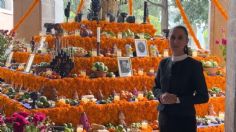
{"x":180,"y":84}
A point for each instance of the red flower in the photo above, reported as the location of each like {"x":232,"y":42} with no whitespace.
{"x":38,"y":117}
{"x":217,"y":42}
{"x":224,"y":41}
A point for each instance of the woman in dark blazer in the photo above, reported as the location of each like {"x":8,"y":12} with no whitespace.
{"x":180,"y":84}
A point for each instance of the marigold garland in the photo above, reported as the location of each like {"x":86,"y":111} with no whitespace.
{"x":187,"y":23}
{"x":28,"y":12}
{"x":102,"y":114}
{"x":85,"y":63}
{"x":81,"y":4}
{"x":221,"y":9}
{"x":112,"y":27}
{"x":82,"y":85}
{"x":106,"y":43}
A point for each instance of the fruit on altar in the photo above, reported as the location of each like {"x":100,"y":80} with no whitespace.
{"x":216,"y":92}
{"x":44,"y":64}
{"x":72,"y":102}
{"x":126,"y":95}
{"x":68,"y":127}
{"x":74,"y":75}
{"x":210,"y":64}
{"x":99,"y":69}
{"x":99,"y":66}
{"x":108,"y":34}
{"x":43,"y":102}
{"x":155,"y":125}
{"x":111,"y":74}
{"x":149,"y":95}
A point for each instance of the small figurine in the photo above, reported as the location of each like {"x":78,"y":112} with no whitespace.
{"x":85,"y":32}
{"x":32,"y":44}
{"x":211,"y":111}
{"x":122,"y":118}
{"x":85,"y":122}
{"x":76,"y":96}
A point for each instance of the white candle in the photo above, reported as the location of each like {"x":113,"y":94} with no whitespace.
{"x":119,"y":35}
{"x":144,"y":125}
{"x":85,"y":100}
{"x":79,"y":129}
{"x":140,"y":96}
{"x":116,"y":98}
{"x":98,"y":34}
{"x":222,"y":115}
{"x":83,"y":73}
{"x":151,"y":70}
{"x":194,"y":53}
{"x":94,"y":52}
{"x":62,"y":101}
{"x":119,"y":54}
{"x":166,"y":53}
{"x":140,"y":72}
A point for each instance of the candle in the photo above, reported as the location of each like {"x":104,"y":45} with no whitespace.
{"x":83,"y":73}
{"x":144,"y":125}
{"x":222,"y":115}
{"x":107,"y":18}
{"x":62,"y":100}
{"x":194,"y":53}
{"x":140,"y":96}
{"x":77,"y":32}
{"x":85,"y":100}
{"x":116,"y":98}
{"x":152,"y":70}
{"x":79,"y":128}
{"x":140,"y":72}
{"x":94,"y":52}
{"x":98,"y":34}
{"x":119,"y":54}
{"x":166,"y":53}
{"x":119,"y":35}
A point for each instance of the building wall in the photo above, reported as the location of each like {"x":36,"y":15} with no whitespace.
{"x":217,"y":22}
{"x":47,"y":11}
{"x":6,"y":16}
{"x":32,"y":25}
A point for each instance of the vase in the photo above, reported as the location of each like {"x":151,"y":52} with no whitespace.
{"x":100,"y":74}
{"x":211,"y":71}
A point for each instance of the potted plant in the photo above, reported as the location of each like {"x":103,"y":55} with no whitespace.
{"x":210,"y":66}
{"x":99,"y":69}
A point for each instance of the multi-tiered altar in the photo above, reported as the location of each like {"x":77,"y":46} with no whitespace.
{"x":100,"y":75}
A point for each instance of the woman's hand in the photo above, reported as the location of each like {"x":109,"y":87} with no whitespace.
{"x":168,"y":98}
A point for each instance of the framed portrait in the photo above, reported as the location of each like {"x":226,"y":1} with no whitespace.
{"x":141,"y":47}
{"x":124,"y":66}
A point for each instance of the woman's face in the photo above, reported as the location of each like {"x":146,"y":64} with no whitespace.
{"x":178,"y":40}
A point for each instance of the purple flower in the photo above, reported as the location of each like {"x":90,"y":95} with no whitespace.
{"x":1,"y":120}
{"x":224,"y":41}
{"x":9,"y":120}
{"x":217,"y":42}
{"x":38,"y":117}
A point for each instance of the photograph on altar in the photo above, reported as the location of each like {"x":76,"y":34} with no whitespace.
{"x":125,"y":68}
{"x":141,"y":47}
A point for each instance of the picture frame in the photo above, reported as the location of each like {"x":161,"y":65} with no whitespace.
{"x":124,"y":66}
{"x":141,"y":47}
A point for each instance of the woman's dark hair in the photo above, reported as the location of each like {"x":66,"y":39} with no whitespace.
{"x":186,"y":49}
